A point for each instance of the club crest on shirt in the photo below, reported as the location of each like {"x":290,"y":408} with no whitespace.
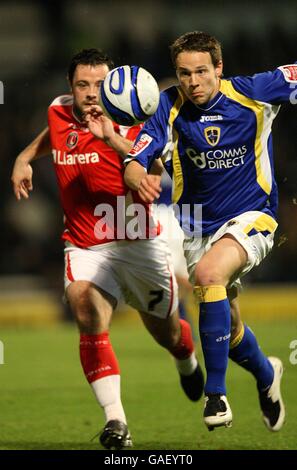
{"x":212,"y":135}
{"x":72,"y":140}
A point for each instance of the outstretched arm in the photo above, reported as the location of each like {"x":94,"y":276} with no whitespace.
{"x":148,"y":186}
{"x":22,"y":171}
{"x":102,"y":128}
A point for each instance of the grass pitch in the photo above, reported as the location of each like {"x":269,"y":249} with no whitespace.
{"x":47,"y":404}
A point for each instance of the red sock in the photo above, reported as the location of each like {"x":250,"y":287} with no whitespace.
{"x":185,"y":346}
{"x":97,"y":357}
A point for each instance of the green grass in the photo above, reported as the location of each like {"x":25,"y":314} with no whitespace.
{"x":47,"y":404}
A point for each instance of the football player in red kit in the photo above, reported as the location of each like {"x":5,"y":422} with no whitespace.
{"x":106,"y":257}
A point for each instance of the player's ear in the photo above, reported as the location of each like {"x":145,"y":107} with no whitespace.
{"x":219,"y":69}
{"x":69,"y":83}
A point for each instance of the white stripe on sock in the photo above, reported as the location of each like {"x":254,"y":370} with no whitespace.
{"x":186,"y":366}
{"x":108,"y":394}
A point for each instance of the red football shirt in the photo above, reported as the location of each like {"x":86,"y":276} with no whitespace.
{"x":97,"y":205}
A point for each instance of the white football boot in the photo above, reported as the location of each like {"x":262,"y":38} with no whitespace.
{"x":217,"y":411}
{"x":272,"y":405}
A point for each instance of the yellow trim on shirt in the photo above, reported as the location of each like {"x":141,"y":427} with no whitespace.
{"x":178,"y":180}
{"x":257,"y":107}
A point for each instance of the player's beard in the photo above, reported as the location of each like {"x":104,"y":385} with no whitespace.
{"x":78,"y":113}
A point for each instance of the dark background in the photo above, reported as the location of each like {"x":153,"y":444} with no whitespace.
{"x":37,"y":40}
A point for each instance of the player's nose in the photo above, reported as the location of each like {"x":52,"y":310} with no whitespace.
{"x":93,"y":93}
{"x":193,"y":79}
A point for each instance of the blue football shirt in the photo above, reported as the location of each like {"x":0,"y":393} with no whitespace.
{"x":219,"y":155}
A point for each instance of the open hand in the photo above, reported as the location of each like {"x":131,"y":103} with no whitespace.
{"x":21,"y":179}
{"x":99,"y":124}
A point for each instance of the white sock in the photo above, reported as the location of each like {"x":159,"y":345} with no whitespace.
{"x":108,"y":394}
{"x":186,"y":366}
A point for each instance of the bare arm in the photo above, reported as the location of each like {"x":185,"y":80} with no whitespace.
{"x":121,"y":145}
{"x":22,"y":171}
{"x":148,"y":186}
{"x":157,"y":167}
{"x":102,"y":128}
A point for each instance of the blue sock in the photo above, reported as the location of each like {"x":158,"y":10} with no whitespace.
{"x":214,"y":327}
{"x":245,"y":351}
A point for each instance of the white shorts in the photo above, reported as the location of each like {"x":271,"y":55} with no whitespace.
{"x":254,"y":231}
{"x":174,"y":236}
{"x":140,"y":272}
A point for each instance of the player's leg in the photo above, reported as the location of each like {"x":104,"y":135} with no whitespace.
{"x":151,"y":288}
{"x":93,"y":308}
{"x":245,"y":351}
{"x":213,"y":272}
{"x":175,"y":334}
{"x":185,"y":291}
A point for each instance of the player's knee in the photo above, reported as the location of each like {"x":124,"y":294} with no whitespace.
{"x":81,"y":301}
{"x":207,"y":276}
{"x":83,"y":309}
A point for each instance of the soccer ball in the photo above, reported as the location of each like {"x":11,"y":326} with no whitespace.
{"x":129,"y":95}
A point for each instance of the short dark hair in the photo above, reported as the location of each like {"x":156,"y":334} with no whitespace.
{"x":88,"y":57}
{"x":197,"y":41}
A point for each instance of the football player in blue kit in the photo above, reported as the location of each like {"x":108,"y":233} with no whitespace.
{"x":214,"y":138}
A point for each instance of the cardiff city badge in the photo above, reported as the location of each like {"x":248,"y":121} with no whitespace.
{"x":212,"y":135}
